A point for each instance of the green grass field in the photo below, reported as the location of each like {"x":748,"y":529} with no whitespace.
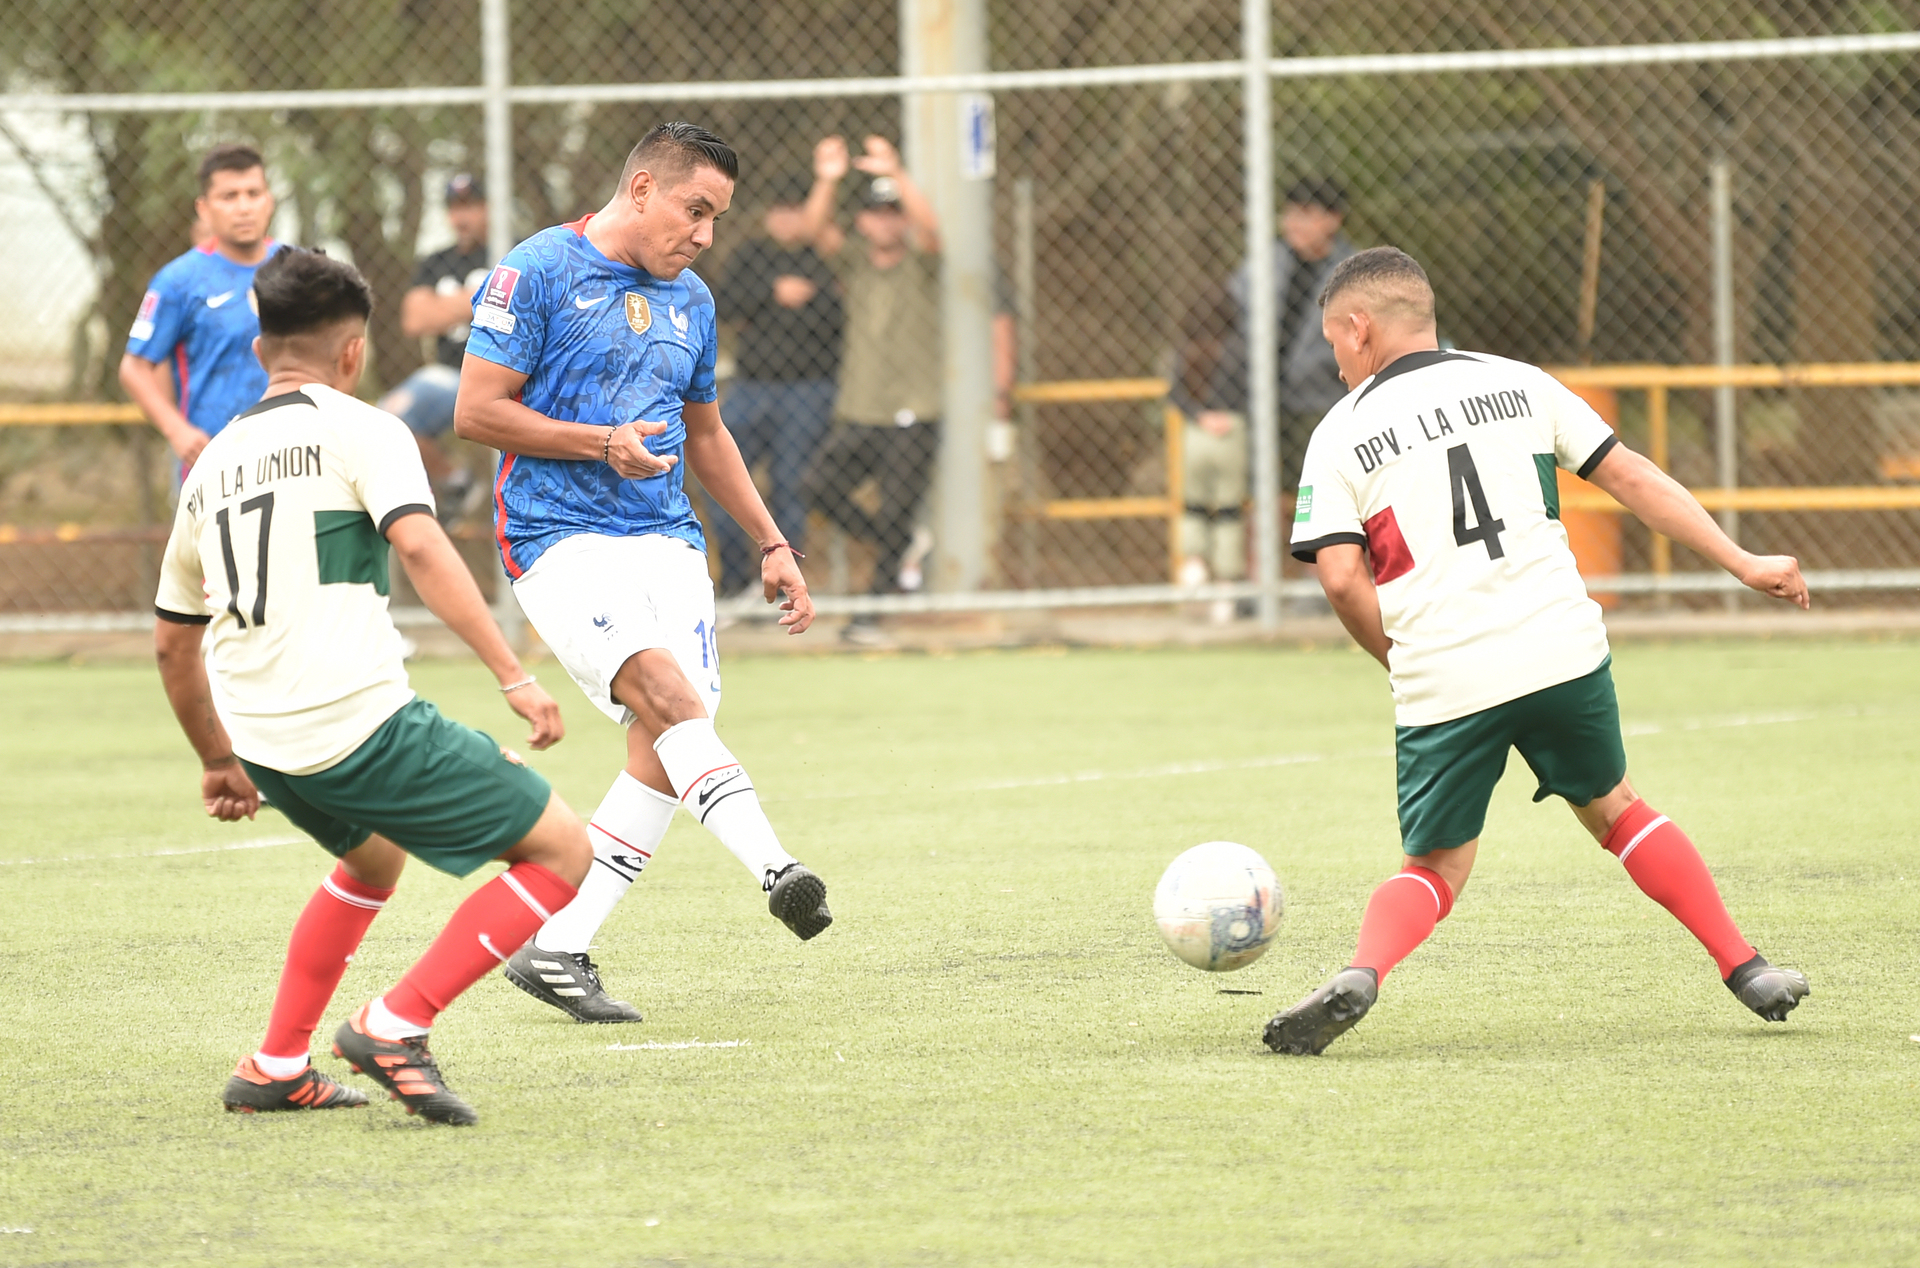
{"x":990,"y":1059}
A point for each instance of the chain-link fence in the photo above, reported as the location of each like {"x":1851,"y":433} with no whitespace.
{"x":1029,"y":367}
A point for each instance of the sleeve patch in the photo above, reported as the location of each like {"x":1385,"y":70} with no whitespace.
{"x":496,"y":298}
{"x":500,"y":287}
{"x":494,"y":319}
{"x":143,"y":320}
{"x":1303,"y":505}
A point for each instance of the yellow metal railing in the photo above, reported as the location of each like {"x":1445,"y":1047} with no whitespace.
{"x":80,"y":413}
{"x":1170,"y":507}
{"x":1657,"y":381}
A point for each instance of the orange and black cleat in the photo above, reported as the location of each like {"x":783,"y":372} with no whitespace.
{"x":253,"y":1091}
{"x":405,"y":1068}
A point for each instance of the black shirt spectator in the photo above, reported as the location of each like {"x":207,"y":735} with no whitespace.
{"x":452,"y":272}
{"x":778,"y":343}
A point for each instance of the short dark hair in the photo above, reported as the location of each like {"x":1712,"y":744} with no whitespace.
{"x":1318,"y":191}
{"x":300,"y":291}
{"x":231,"y":157}
{"x":1394,"y":282}
{"x":671,"y":150}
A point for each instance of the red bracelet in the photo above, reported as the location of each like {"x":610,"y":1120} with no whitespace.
{"x":768,"y":550}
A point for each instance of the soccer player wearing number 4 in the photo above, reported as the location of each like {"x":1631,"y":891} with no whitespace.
{"x":591,"y":368}
{"x":1429,"y":500}
{"x":278,"y":560}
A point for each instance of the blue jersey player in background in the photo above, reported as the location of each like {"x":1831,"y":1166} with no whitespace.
{"x":198,"y":319}
{"x":591,"y":368}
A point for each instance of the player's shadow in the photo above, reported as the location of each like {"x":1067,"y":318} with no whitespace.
{"x":1775,"y":1034}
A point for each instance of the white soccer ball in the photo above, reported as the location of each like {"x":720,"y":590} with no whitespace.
{"x":1218,"y":906}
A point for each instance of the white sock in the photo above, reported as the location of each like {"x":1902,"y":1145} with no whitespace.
{"x":382,"y":1024}
{"x":280,"y":1067}
{"x":625,"y":832}
{"x":716,"y":789}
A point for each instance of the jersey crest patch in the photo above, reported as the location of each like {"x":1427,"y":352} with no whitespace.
{"x":639,"y":316}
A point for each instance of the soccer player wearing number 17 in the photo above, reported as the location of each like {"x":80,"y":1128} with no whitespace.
{"x":1429,"y":500}
{"x":591,"y":368}
{"x":278,"y":559}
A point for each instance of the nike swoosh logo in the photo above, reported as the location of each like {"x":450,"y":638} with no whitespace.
{"x":588,"y":303}
{"x":707,"y":794}
{"x":214,"y":301}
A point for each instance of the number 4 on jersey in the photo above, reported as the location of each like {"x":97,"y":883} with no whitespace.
{"x":1465,"y":479}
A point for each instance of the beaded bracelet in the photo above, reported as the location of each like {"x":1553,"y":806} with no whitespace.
{"x":606,"y":444}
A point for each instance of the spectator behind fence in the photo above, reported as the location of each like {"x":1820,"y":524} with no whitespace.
{"x":785,"y":303}
{"x":886,"y":415}
{"x":197,"y":319}
{"x":1210,"y":382}
{"x":439,"y":305}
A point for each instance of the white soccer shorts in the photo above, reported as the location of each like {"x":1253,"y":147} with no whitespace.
{"x":597,"y":601}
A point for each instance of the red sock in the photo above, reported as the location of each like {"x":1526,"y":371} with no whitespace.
{"x":494,"y":922}
{"x":324,"y":940}
{"x":1666,"y":867}
{"x":1400,"y":915}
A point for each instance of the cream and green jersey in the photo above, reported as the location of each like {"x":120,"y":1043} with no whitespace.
{"x":1444,"y":468}
{"x":279,"y":548}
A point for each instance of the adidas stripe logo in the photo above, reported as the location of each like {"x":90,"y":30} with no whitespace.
{"x":561,"y":974}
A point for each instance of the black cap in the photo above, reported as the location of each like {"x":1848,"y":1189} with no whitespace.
{"x":465,"y":187}
{"x":1318,"y":191}
{"x":884,"y":192}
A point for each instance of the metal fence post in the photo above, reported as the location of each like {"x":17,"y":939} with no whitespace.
{"x":1263,"y":322}
{"x":1027,"y":491}
{"x":949,"y":139}
{"x":1726,"y":438}
{"x":497,"y":78}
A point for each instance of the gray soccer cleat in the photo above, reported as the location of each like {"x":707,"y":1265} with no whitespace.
{"x":1768,"y":989}
{"x":570,"y":982}
{"x":798,"y":899}
{"x":1308,"y":1027}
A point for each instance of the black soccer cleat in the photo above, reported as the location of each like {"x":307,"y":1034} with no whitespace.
{"x":1768,"y":989}
{"x":1308,"y":1027}
{"x":251,"y":1090}
{"x":570,"y":982}
{"x":405,"y":1068}
{"x":798,"y":899}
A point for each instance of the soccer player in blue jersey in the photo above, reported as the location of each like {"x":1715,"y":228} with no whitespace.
{"x":591,"y":369}
{"x":198,"y":318}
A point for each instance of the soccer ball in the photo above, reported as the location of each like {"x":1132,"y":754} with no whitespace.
{"x":1218,"y":906}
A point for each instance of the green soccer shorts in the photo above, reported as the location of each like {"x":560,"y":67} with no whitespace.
{"x":1569,"y":735}
{"x":445,"y":793}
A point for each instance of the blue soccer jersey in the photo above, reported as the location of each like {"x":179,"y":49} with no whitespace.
{"x":199,"y":316}
{"x":601,"y":344}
